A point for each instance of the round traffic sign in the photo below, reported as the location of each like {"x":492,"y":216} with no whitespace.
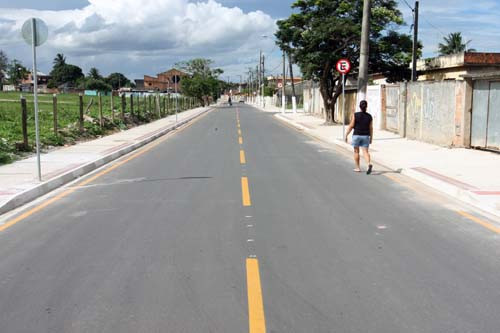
{"x":41,"y":31}
{"x":343,"y":66}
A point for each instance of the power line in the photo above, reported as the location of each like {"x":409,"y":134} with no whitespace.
{"x":424,"y":18}
{"x":408,"y":5}
{"x":433,"y":26}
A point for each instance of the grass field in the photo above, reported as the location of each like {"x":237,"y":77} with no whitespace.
{"x":68,"y":116}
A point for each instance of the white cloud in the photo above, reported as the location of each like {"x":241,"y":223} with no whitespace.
{"x":138,"y":37}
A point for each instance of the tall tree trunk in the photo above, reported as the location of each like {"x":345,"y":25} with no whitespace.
{"x":330,"y":88}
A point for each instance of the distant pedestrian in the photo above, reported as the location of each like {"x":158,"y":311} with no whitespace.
{"x":362,"y":123}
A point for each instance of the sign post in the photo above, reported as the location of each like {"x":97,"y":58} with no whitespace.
{"x":34,"y":32}
{"x":343,"y":67}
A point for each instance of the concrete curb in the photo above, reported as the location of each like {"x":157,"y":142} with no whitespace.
{"x":491,"y":206}
{"x":60,"y":180}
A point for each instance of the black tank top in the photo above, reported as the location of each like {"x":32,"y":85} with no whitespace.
{"x":362,"y":123}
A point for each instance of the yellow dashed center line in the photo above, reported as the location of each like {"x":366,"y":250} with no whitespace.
{"x":243,"y":159}
{"x":245,"y":192}
{"x":256,"y":318}
{"x":240,"y":140}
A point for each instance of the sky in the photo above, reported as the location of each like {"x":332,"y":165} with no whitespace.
{"x":150,"y":36}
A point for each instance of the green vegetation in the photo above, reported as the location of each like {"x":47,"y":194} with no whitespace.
{"x":64,"y":73}
{"x":322,"y":32}
{"x":203,"y":82}
{"x":17,"y":72}
{"x":454,"y":43}
{"x":68,"y":120}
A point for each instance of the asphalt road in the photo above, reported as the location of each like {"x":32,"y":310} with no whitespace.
{"x":172,"y":239}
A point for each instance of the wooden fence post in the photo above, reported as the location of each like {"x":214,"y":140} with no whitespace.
{"x":158,"y":106}
{"x":150,"y":109}
{"x":24,"y":122}
{"x":54,"y":112}
{"x":101,"y":120}
{"x":112,"y":108}
{"x":132,"y":106}
{"x":80,"y":99}
{"x":138,"y":105}
{"x":123,"y":107}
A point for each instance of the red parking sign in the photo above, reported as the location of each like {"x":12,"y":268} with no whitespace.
{"x":343,"y":66}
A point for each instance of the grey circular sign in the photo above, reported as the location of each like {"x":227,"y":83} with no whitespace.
{"x":41,"y":31}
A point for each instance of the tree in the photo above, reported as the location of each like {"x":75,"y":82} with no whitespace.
{"x":203,"y":81}
{"x":66,"y":73}
{"x":4,"y":62}
{"x":59,"y":60}
{"x":453,"y":43}
{"x":96,"y":84}
{"x":117,"y":80}
{"x":94,"y":74}
{"x":62,"y":72}
{"x":16,"y":72}
{"x":322,"y":32}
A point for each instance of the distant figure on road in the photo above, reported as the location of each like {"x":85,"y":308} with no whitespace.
{"x":362,"y":123}
{"x":230,"y":101}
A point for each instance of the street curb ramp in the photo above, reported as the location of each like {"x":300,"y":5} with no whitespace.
{"x":60,"y":180}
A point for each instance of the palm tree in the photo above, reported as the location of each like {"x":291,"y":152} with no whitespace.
{"x":59,"y":60}
{"x":453,"y":43}
{"x":94,"y":73}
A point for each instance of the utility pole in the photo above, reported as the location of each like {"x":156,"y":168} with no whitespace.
{"x":263,"y":79}
{"x":259,"y":75}
{"x":365,"y":51}
{"x":294,"y":98}
{"x":415,"y":43}
{"x":283,"y":98}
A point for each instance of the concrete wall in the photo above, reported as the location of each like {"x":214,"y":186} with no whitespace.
{"x":436,"y":112}
{"x":313,"y":102}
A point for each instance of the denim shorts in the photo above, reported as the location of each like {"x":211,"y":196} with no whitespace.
{"x":361,"y":141}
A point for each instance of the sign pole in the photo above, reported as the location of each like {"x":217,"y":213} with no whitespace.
{"x":35,"y":94}
{"x":343,"y":67}
{"x":343,"y":106}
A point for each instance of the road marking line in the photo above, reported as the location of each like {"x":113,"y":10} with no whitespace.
{"x":239,"y":131}
{"x":240,"y":140}
{"x":485,"y":224}
{"x":50,"y":201}
{"x":245,"y":192}
{"x":243,"y":159}
{"x":256,"y":317}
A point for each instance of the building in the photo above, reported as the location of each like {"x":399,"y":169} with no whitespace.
{"x":278,"y":80}
{"x":166,"y":81}
{"x":456,"y":66}
{"x":139,"y":84}
{"x":43,"y":79}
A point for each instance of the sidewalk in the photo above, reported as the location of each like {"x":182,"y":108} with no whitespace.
{"x":469,"y":175}
{"x":18,"y":180}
